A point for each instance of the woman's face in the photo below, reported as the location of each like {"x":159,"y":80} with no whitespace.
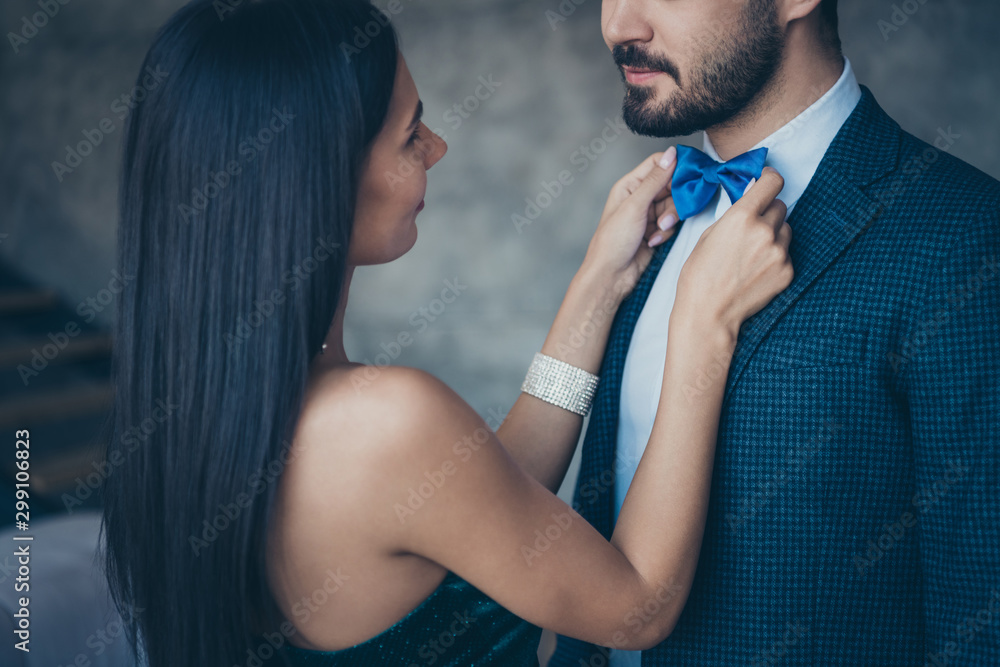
{"x":394,"y":179}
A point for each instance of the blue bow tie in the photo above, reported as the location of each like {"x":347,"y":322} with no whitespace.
{"x":698,"y":177}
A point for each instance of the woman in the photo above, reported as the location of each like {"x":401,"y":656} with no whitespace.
{"x":291,"y":504}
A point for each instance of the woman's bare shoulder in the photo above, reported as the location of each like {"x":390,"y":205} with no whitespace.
{"x":377,"y":396}
{"x":379,"y":418}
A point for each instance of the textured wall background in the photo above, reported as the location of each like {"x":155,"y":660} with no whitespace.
{"x":558,"y":90}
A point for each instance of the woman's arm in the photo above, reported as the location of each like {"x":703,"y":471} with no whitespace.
{"x":487,"y":520}
{"x":540,"y":436}
{"x":498,"y":528}
{"x":667,"y":501}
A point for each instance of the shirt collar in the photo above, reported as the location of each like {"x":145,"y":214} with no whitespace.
{"x":796,"y":149}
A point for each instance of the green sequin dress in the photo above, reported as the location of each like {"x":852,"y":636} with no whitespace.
{"x":456,"y":626}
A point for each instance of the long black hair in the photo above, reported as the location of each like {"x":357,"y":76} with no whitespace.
{"x":237,"y":196}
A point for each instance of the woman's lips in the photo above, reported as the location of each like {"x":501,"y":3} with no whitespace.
{"x":639,"y":76}
{"x":421,"y":206}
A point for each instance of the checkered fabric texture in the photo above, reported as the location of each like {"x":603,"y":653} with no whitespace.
{"x":855,"y":508}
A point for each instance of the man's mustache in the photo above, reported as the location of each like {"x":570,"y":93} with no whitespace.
{"x":635,"y":57}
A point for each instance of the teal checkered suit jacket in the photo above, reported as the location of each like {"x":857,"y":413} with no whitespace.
{"x":855,"y":509}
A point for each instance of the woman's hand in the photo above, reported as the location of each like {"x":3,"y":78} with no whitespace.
{"x":740,"y":263}
{"x":540,"y":436}
{"x":638,"y":216}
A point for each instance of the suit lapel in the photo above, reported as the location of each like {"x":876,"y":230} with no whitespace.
{"x":832,"y":212}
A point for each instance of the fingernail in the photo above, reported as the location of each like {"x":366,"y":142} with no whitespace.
{"x":749,"y":185}
{"x":667,"y":221}
{"x":656,"y":239}
{"x":668,"y":157}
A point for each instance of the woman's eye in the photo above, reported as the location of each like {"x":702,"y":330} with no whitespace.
{"x":414,"y":137}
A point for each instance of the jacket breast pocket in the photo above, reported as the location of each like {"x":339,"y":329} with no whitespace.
{"x":793,"y":350}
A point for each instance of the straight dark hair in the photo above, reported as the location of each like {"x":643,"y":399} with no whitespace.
{"x":237,"y":196}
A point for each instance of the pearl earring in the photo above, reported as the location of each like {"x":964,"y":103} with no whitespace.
{"x":323,"y":349}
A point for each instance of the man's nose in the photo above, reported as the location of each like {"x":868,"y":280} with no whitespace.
{"x":625,"y":22}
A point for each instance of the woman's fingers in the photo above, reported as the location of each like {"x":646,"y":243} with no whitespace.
{"x":776,"y":214}
{"x":785,"y":236}
{"x":653,"y":236}
{"x":638,"y":217}
{"x":662,"y":223}
{"x":631,"y":182}
{"x":664,"y":214}
{"x":642,"y":198}
{"x":760,"y":196}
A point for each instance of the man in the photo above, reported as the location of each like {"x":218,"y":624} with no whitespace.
{"x":855,"y":509}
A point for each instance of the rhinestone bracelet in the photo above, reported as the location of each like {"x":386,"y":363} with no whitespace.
{"x":560,"y":384}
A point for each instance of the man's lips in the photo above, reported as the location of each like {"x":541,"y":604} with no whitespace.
{"x":638,"y":75}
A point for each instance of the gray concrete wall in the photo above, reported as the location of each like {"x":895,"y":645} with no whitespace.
{"x":557,"y":90}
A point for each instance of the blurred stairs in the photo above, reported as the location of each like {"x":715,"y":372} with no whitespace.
{"x":64,"y":406}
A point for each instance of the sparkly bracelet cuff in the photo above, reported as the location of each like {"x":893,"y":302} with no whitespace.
{"x":560,"y":384}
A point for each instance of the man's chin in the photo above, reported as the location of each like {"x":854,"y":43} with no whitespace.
{"x":645,"y":112}
{"x":662,"y":119}
{"x":649,"y":124}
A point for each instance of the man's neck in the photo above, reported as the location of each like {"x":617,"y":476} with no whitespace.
{"x":792,"y":91}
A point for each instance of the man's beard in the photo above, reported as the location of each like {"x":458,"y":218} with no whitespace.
{"x":732,"y":73}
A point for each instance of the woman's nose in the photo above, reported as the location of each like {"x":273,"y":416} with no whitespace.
{"x":437,"y":151}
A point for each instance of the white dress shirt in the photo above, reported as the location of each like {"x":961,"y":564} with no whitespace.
{"x":795,"y":151}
